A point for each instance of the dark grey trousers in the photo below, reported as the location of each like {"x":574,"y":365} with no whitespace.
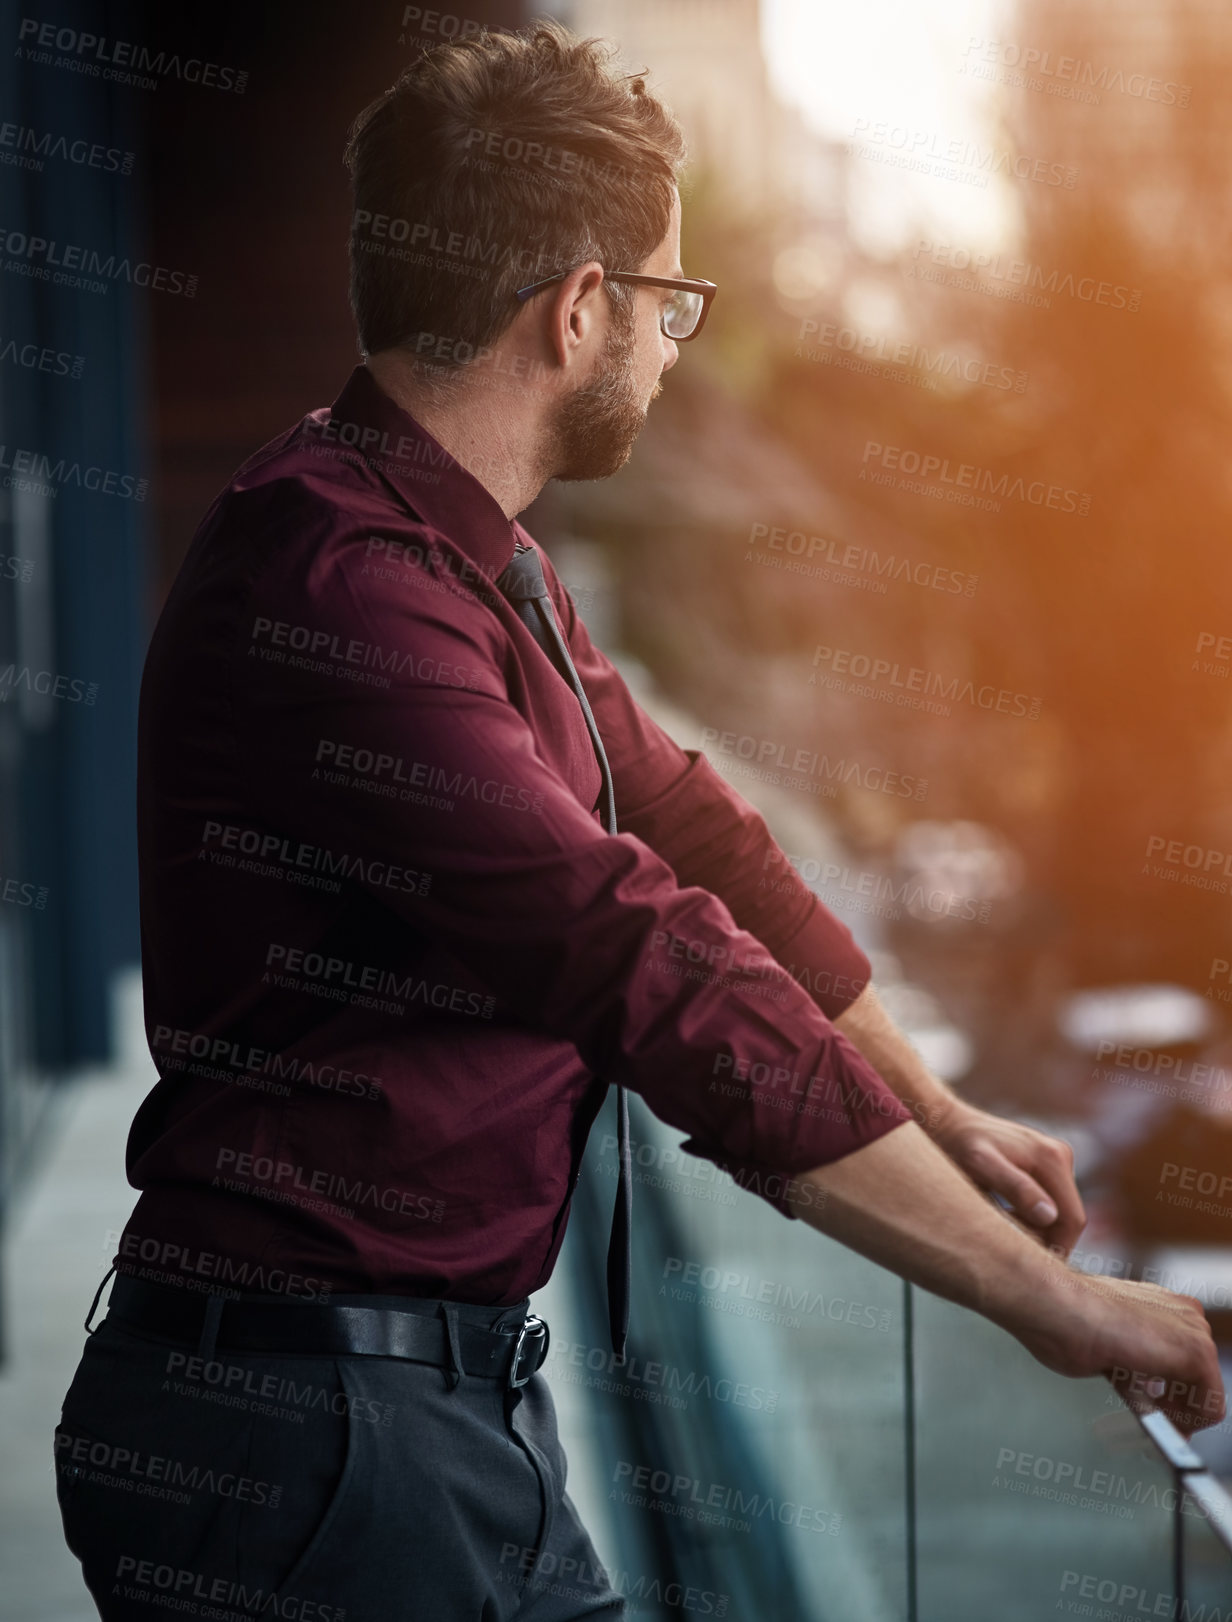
{"x":318,"y":1489}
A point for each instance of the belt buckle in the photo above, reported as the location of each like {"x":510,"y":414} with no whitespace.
{"x":532,"y":1324}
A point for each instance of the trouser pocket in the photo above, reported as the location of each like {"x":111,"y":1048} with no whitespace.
{"x":183,"y":1483}
{"x":303,"y":1436}
{"x":130,"y":1510}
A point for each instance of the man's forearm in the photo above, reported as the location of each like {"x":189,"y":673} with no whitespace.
{"x":905,"y":1205}
{"x":867,"y":1026}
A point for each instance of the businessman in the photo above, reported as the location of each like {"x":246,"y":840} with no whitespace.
{"x":420,"y":881}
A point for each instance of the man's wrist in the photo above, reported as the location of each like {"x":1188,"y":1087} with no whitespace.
{"x":945,"y":1113}
{"x":1027,"y":1290}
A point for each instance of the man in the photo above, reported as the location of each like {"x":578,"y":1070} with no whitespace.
{"x":395,"y":952}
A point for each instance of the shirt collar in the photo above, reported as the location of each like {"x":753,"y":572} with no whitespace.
{"x":422,"y":472}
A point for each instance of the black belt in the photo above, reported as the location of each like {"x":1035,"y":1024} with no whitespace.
{"x":330,"y":1329}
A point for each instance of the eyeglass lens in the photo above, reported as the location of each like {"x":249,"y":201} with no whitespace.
{"x":682,"y":313}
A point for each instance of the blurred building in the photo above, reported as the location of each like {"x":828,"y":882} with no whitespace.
{"x":705,"y":58}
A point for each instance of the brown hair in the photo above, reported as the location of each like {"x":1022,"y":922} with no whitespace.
{"x":490,"y":163}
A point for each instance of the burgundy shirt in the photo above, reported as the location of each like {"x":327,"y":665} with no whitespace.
{"x":392,"y":958}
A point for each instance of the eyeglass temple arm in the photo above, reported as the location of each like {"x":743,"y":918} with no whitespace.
{"x":524,"y":293}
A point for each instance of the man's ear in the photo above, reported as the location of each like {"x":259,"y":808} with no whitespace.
{"x":577,"y":314}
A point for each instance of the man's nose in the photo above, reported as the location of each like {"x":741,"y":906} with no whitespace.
{"x":671,"y":353}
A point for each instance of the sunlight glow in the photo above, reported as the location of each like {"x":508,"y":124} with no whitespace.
{"x":890,"y":76}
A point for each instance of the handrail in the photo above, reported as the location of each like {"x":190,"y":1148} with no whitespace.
{"x":1193,"y":1476}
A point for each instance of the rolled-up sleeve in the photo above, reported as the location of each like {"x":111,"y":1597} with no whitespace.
{"x":585,"y":936}
{"x":709,"y":834}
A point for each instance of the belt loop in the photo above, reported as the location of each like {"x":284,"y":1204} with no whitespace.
{"x":94,"y":1303}
{"x":450,"y":1314}
{"x":209,"y":1328}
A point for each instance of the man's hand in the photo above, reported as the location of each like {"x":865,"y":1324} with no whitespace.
{"x":1155,"y":1347}
{"x":1032,"y":1172}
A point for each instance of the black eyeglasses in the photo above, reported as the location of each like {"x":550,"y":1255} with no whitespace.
{"x":682,"y":317}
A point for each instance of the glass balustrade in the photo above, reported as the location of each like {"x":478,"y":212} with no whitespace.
{"x":798,"y":1434}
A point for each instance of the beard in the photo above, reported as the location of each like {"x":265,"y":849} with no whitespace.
{"x":594,"y":428}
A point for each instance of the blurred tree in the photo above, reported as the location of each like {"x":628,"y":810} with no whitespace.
{"x":1104,"y":615}
{"x":1097,"y":616}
